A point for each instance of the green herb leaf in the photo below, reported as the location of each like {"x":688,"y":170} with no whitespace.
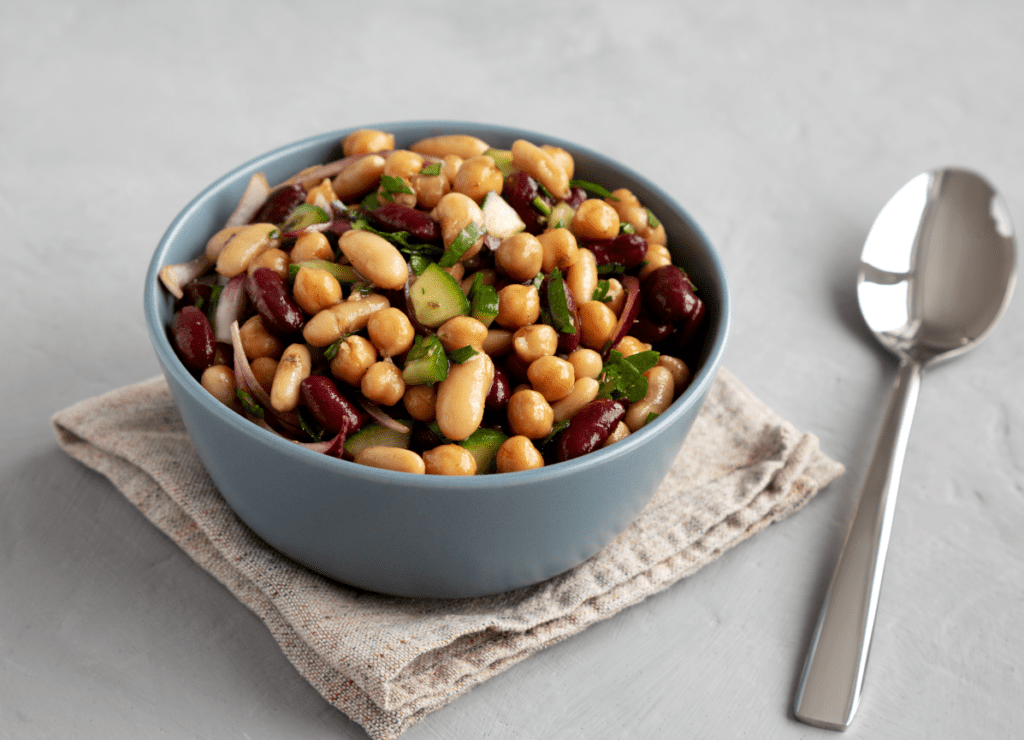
{"x":248,"y":403}
{"x":601,"y":291}
{"x":558,"y":303}
{"x":626,"y":228}
{"x":371,"y":202}
{"x":611,"y":268}
{"x":211,"y":310}
{"x":466,"y":239}
{"x":651,"y":417}
{"x":593,"y":188}
{"x":309,"y":425}
{"x":555,"y":429}
{"x":332,"y":349}
{"x":623,"y":377}
{"x":391,"y":185}
{"x":432,"y":169}
{"x":460,"y":355}
{"x":541,"y":205}
{"x":418,"y":263}
{"x":652,"y":220}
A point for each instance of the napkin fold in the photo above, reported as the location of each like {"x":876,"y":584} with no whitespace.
{"x":387,"y":662}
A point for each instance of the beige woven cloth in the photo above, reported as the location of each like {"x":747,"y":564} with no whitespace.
{"x":388,"y":662}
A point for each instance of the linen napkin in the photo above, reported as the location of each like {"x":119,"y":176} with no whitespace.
{"x":387,"y":662}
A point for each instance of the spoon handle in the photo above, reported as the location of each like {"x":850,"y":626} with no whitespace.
{"x":829,"y":689}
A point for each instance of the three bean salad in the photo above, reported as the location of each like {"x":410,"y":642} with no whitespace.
{"x":450,"y":308}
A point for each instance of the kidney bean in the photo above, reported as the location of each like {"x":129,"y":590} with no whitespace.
{"x":669,"y":294}
{"x":649,"y":328}
{"x":332,"y":410}
{"x":193,"y":337}
{"x":270,"y":295}
{"x":576,"y":196}
{"x":519,"y":191}
{"x":501,"y":390}
{"x":195,"y":294}
{"x":589,"y":428}
{"x":279,"y":205}
{"x":625,"y":249}
{"x":395,"y":217}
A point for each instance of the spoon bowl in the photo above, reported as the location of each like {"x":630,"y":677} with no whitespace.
{"x":936,"y":274}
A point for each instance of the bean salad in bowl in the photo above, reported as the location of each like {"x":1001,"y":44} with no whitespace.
{"x":449,"y":307}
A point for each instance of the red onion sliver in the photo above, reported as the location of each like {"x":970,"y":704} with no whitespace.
{"x":176,"y":277}
{"x":246,"y":381}
{"x":230,"y":306}
{"x":629,"y":313}
{"x":378,"y":415}
{"x":252,"y":200}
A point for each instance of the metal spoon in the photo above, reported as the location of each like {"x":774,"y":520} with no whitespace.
{"x":936,"y":273}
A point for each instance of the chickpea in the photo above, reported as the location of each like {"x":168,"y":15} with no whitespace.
{"x":534,"y":341}
{"x":367,"y":141}
{"x":641,"y":219}
{"x":264,"y":369}
{"x":657,"y":256}
{"x":519,"y":256}
{"x":552,"y":377}
{"x":403,"y":163}
{"x":630,"y":345}
{"x":597,"y":322}
{"x":529,"y":414}
{"x":219,"y":380}
{"x":257,"y":341}
{"x":322,"y":195}
{"x":560,"y":249}
{"x":456,"y":211}
{"x":462,"y":331}
{"x":274,"y":259}
{"x":420,"y":401}
{"x":595,"y":219}
{"x":382,"y":383}
{"x":450,"y":459}
{"x":355,"y":356}
{"x":518,"y":305}
{"x":390,"y":331}
{"x":518,"y":453}
{"x":429,"y":189}
{"x":586,"y":362}
{"x":312,"y":246}
{"x":314,"y":289}
{"x":477,"y":177}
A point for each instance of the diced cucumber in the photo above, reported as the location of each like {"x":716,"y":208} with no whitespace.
{"x":500,"y":219}
{"x":377,"y":435}
{"x":436,"y":297}
{"x":426,"y":362}
{"x":303,"y":215}
{"x":345,"y":274}
{"x":503,"y":159}
{"x":483,"y":301}
{"x":483,"y":445}
{"x":561,"y":216}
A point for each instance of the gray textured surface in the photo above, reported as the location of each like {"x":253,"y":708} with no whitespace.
{"x":781,"y":130}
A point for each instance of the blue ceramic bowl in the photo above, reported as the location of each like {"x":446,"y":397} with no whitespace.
{"x":421,"y":535}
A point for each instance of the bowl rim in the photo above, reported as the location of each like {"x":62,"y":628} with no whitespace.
{"x":171,"y":364}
